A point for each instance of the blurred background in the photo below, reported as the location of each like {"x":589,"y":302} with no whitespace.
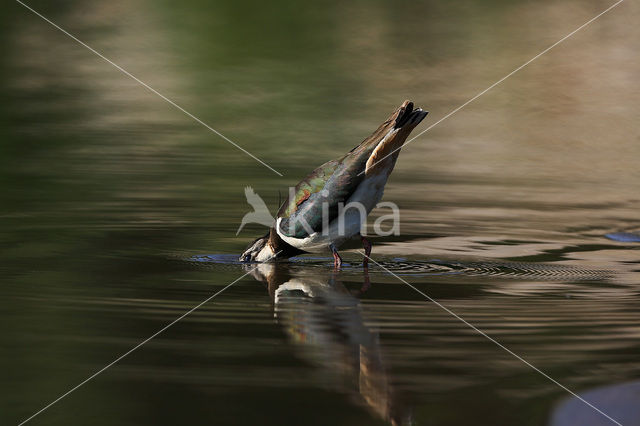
{"x":105,"y":187}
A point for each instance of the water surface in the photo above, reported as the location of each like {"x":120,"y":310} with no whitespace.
{"x":107,"y":193}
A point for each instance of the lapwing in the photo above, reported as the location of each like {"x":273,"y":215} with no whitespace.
{"x":329,"y":206}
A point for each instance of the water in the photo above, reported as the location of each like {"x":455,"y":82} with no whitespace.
{"x":108,"y":193}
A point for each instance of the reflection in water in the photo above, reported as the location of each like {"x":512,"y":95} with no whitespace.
{"x":323,"y":319}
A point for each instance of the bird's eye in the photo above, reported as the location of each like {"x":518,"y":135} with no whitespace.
{"x":247,"y":258}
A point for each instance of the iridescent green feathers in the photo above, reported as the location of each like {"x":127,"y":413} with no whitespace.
{"x":328,"y":185}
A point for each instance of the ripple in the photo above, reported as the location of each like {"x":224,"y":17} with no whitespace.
{"x":404,"y":267}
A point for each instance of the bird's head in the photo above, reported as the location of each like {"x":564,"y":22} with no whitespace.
{"x":257,"y":251}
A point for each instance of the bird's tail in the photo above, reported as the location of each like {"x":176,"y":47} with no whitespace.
{"x":387,"y":140}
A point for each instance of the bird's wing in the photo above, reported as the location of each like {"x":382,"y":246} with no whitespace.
{"x":329,"y":185}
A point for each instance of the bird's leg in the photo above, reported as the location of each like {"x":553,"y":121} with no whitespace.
{"x":366,"y":244}
{"x":337,"y":260}
{"x":367,"y":282}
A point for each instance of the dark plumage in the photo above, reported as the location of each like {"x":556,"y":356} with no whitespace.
{"x":357,"y":176}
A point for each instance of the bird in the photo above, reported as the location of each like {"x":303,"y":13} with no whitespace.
{"x":316,"y":218}
{"x":260,"y":213}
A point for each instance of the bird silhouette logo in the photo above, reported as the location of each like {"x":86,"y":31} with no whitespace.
{"x":260,"y":213}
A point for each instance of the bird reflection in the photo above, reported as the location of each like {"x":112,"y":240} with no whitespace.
{"x":324,"y":320}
